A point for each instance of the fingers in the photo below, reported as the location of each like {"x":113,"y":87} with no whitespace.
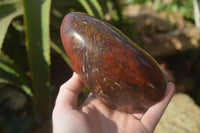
{"x":154,"y":113}
{"x":67,"y":98}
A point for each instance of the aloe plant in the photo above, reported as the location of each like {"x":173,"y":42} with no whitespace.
{"x":11,"y":74}
{"x":36,"y":16}
{"x":8,"y":11}
{"x":88,"y":4}
{"x":38,"y":49}
{"x":94,"y":8}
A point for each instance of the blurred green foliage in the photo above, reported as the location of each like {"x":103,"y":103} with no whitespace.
{"x":36,"y":21}
{"x":184,"y":7}
{"x":25,"y":47}
{"x":30,"y":31}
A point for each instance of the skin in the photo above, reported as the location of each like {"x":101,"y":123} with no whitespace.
{"x":93,"y":116}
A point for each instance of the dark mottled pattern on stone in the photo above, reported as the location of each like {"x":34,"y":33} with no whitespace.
{"x":110,"y":65}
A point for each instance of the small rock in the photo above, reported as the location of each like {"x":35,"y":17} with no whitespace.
{"x":181,"y":116}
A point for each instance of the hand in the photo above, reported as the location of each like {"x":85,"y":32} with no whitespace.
{"x":95,"y":117}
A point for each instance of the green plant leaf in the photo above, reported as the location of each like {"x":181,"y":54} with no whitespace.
{"x":36,"y":16}
{"x":10,"y":74}
{"x":60,"y":52}
{"x":25,"y":88}
{"x":8,"y":66}
{"x":92,"y":7}
{"x":98,"y":8}
{"x":86,"y":6}
{"x":8,"y":11}
{"x":118,"y":10}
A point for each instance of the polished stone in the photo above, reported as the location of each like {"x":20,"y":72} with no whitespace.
{"x":110,"y":65}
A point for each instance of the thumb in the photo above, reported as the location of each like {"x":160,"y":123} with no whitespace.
{"x":68,"y":94}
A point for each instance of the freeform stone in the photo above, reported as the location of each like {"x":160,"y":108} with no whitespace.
{"x":110,"y":65}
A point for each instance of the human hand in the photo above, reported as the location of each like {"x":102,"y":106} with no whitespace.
{"x":95,"y":117}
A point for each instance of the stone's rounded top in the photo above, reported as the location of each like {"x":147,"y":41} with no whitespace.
{"x":111,"y":66}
